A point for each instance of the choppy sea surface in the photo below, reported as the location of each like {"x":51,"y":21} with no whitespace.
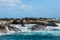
{"x":30,"y":37}
{"x":41,"y":35}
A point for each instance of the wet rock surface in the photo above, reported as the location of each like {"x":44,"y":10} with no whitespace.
{"x":37,"y":27}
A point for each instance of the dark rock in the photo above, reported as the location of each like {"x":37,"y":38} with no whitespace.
{"x":52,"y":24}
{"x":37,"y":27}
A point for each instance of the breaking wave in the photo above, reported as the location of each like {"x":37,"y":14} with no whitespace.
{"x":39,"y":33}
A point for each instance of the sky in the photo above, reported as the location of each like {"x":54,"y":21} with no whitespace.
{"x":29,"y":8}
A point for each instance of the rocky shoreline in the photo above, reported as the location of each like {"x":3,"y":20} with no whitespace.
{"x":42,"y":21}
{"x":5,"y":23}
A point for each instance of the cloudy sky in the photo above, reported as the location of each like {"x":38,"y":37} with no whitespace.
{"x":29,"y":8}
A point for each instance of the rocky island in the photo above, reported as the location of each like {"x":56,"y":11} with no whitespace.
{"x":40,"y":23}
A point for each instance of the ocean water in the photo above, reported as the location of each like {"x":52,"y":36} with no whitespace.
{"x":31,"y":36}
{"x":36,"y":35}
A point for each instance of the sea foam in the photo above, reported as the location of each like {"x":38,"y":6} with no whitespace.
{"x":25,"y":31}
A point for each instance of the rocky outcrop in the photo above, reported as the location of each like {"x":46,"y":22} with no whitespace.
{"x":37,"y":27}
{"x":40,"y":21}
{"x":4,"y":26}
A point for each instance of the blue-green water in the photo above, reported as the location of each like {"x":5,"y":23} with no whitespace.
{"x":31,"y":36}
{"x":28,"y":37}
